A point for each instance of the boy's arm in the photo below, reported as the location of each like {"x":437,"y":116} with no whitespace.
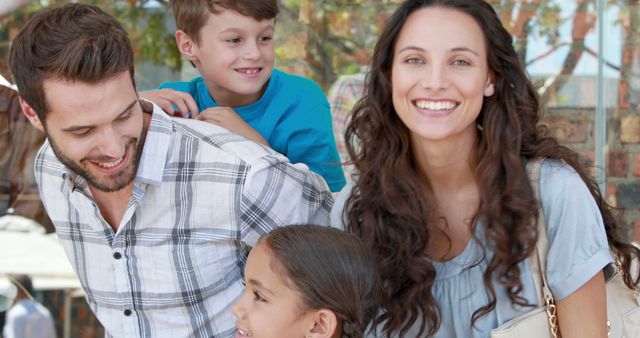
{"x":227,"y":118}
{"x":170,"y":99}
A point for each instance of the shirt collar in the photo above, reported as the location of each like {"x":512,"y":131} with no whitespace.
{"x":156,"y":146}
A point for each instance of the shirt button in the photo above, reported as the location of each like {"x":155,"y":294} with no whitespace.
{"x":117,"y":255}
{"x":127,"y":312}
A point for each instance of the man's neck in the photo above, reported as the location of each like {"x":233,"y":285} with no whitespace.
{"x":112,"y":205}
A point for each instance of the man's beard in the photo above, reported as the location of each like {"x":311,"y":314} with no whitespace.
{"x":108,"y":183}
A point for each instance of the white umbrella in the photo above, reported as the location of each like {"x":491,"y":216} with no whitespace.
{"x":40,"y":256}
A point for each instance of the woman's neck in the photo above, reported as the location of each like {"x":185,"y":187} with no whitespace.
{"x":447,"y":166}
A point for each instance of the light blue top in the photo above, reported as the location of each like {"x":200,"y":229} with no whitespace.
{"x":293,"y":115}
{"x":578,"y":250}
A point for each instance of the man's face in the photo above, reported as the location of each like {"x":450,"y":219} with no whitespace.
{"x":96,"y":130}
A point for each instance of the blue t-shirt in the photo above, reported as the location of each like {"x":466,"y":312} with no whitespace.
{"x":578,"y":250}
{"x":293,"y":115}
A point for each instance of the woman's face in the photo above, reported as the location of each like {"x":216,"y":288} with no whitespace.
{"x":440,"y":74}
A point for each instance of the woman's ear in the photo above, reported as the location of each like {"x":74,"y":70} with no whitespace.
{"x":325,"y":324}
{"x":186,"y":45}
{"x":489,"y":88}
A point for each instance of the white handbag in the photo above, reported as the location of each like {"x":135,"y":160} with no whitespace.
{"x":623,"y":304}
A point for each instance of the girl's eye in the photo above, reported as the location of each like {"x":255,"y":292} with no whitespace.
{"x":233,"y":40}
{"x":258,"y":297}
{"x":266,"y":38}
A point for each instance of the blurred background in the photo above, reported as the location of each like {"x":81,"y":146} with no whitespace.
{"x":584,"y":57}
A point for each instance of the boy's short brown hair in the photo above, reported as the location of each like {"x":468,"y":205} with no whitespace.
{"x":191,"y":15}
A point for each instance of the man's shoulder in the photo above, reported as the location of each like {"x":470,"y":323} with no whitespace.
{"x":218,"y":144}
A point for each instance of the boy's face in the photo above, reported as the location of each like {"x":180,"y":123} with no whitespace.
{"x":235,"y":56}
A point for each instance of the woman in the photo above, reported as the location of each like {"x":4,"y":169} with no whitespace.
{"x":440,"y":141}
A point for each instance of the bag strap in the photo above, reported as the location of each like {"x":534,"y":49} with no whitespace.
{"x":538,"y":260}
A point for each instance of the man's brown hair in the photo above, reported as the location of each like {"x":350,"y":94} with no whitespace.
{"x":191,"y":15}
{"x":74,"y":42}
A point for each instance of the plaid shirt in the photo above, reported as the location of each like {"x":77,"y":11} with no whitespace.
{"x":343,"y":95}
{"x":201,"y":198}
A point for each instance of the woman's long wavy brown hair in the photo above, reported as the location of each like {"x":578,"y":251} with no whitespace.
{"x":390,"y":208}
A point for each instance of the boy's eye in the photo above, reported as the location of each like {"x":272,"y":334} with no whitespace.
{"x":258,"y":297}
{"x":233,"y":40}
{"x":266,"y":38}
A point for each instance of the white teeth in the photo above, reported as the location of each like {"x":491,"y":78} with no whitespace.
{"x":249,"y":71}
{"x":435,"y":105}
{"x":110,"y":164}
{"x":244,"y":333}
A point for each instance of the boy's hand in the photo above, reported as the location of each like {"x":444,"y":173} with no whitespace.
{"x":229,"y":119}
{"x":169,"y":99}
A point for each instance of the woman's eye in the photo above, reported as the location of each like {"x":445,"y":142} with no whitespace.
{"x":413,"y":60}
{"x":461,"y":62}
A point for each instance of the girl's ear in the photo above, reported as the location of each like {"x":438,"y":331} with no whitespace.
{"x":325,"y":324}
{"x":186,"y":45}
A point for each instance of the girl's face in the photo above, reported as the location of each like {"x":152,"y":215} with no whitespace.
{"x":440,"y":74}
{"x":269,"y":306}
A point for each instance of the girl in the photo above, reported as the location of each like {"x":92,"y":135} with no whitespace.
{"x":440,"y":141}
{"x":307,"y":281}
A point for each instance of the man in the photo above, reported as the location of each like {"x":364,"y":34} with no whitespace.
{"x":155,"y":213}
{"x":27,"y":318}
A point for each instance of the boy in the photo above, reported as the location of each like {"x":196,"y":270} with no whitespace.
{"x":231,"y":44}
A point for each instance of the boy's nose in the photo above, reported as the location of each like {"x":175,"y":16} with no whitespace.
{"x":252,"y":52}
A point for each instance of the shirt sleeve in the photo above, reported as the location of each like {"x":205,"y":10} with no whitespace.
{"x":578,"y":247}
{"x":337,"y":212}
{"x":277,"y":193}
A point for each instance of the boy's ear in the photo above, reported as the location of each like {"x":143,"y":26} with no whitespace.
{"x":325,"y":324}
{"x":186,"y":45}
{"x":30,"y":114}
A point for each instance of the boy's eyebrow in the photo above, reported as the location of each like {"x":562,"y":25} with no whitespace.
{"x":236,"y":29}
{"x":455,"y":49}
{"x":260,"y":285}
{"x":76,"y":128}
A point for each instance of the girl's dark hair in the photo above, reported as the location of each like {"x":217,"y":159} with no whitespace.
{"x":331,"y":269}
{"x":394,"y":216}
